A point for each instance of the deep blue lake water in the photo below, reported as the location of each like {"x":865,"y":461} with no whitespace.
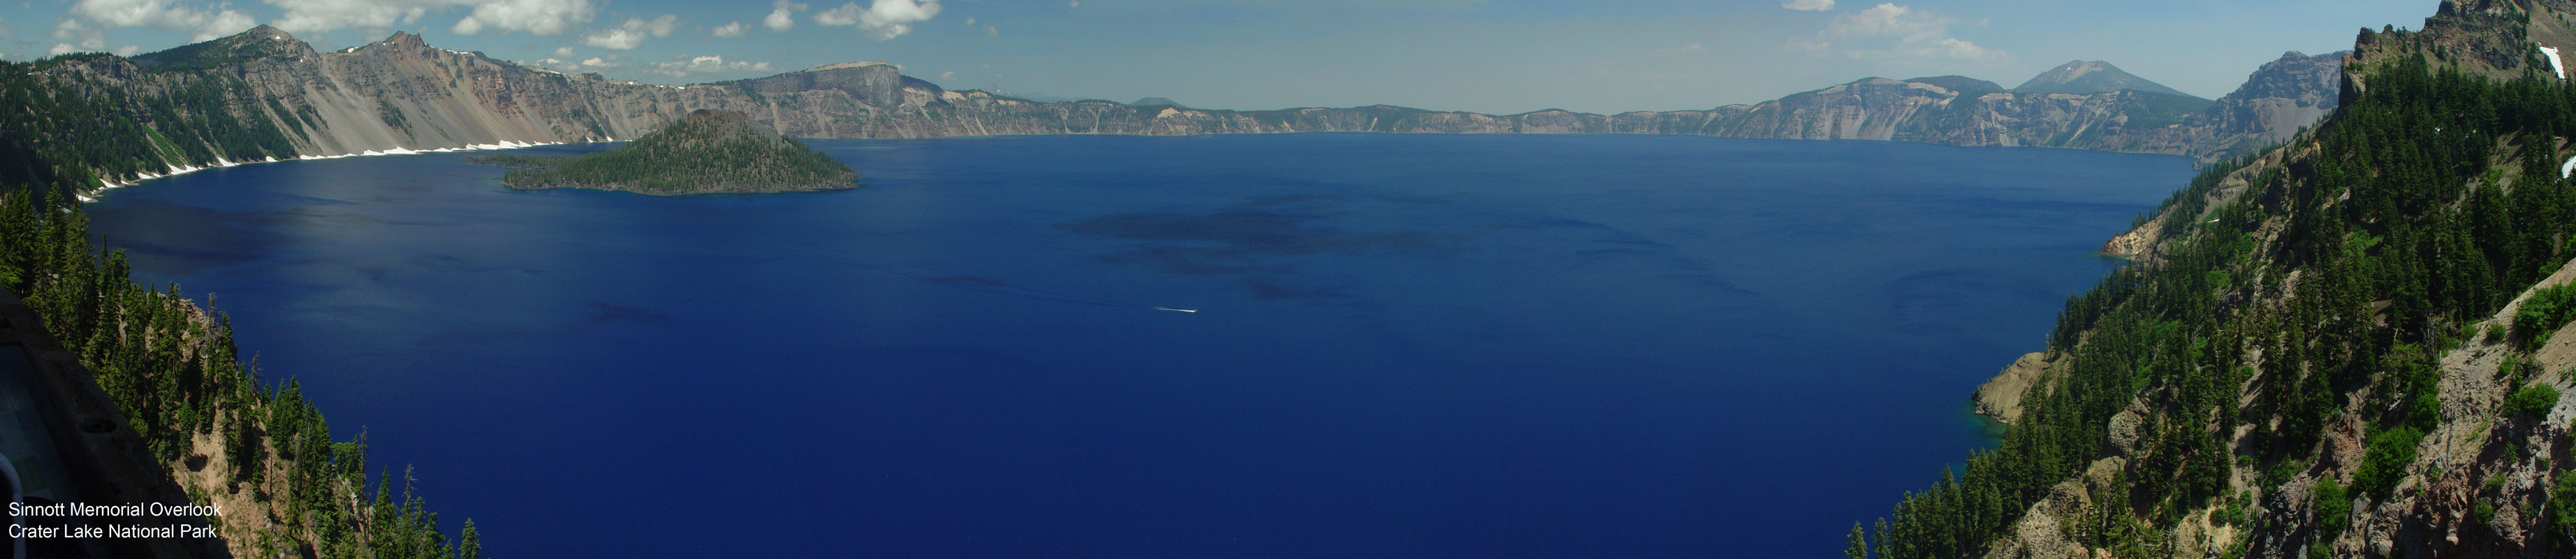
{"x":1408,"y":346}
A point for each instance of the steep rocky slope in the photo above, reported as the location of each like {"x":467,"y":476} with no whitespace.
{"x":2354,"y":345}
{"x":1924,"y":111}
{"x":2276,"y":101}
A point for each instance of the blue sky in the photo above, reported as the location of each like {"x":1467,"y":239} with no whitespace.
{"x":1498,"y":56}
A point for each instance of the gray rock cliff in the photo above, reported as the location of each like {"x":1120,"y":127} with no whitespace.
{"x":401,"y":93}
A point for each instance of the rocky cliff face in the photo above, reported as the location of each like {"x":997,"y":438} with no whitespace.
{"x":1926,"y":111}
{"x":2000,"y":397}
{"x":2276,"y":101}
{"x":401,"y":93}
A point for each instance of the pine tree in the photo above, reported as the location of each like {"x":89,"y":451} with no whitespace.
{"x":1859,"y":548}
{"x":469,"y":543}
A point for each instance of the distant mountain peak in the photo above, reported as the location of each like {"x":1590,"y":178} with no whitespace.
{"x":263,"y":31}
{"x":1960,"y":84}
{"x":2077,"y":69}
{"x":405,"y":39}
{"x":2091,"y":76}
{"x":1153,"y":101}
{"x":842,"y":65}
{"x":258,"y":42}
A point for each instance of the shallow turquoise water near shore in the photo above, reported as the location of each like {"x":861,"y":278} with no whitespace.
{"x":1407,"y":345}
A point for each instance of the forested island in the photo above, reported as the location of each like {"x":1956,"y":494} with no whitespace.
{"x":707,"y":152}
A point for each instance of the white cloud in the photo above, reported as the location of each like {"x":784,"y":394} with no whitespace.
{"x":129,"y":50}
{"x":947,"y":76}
{"x":886,"y":19}
{"x":970,"y":21}
{"x":631,"y":34}
{"x":226,"y":23}
{"x":563,"y":52}
{"x":326,"y":15}
{"x":537,"y":17}
{"x":1895,"y":33}
{"x":782,"y":16}
{"x":1888,"y":19}
{"x":614,"y":39}
{"x":205,"y":23}
{"x":989,"y":31}
{"x":847,"y":14}
{"x":659,"y":27}
{"x":1809,"y":5}
{"x":77,"y":37}
{"x":686,"y":64}
{"x":727,"y":31}
{"x":89,"y":38}
{"x":564,"y":64}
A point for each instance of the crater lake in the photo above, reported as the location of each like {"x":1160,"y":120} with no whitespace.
{"x":1404,"y":345}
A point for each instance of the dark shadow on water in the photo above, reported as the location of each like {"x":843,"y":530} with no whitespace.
{"x":1232,"y":242}
{"x":1248,"y":232}
{"x":1254,"y":241}
{"x":1297,"y":201}
{"x":1711,"y":280}
{"x":1194,"y":261}
{"x":168,"y":238}
{"x":604,"y":313}
{"x":968,"y":280}
{"x":1621,"y":250}
{"x":1269,"y":289}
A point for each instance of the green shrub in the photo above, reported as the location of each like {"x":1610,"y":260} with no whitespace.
{"x":2424,"y":412}
{"x":2547,"y":310}
{"x":2333,"y":508}
{"x":2562,"y":506}
{"x":2383,"y":463}
{"x":2533,"y":401}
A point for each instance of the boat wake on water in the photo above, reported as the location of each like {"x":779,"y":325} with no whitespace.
{"x":959,"y":281}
